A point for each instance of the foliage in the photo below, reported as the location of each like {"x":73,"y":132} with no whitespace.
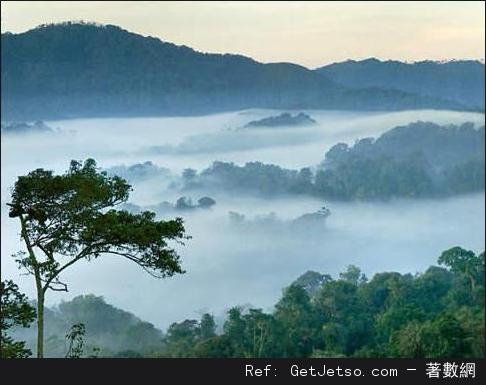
{"x":15,"y":311}
{"x":460,"y":80}
{"x":71,"y":217}
{"x":185,"y":203}
{"x":109,"y":331}
{"x":284,"y":119}
{"x":433,"y":315}
{"x":206,"y":202}
{"x":414,"y":161}
{"x":84,"y":70}
{"x":25,"y":128}
{"x":76,"y":341}
{"x":186,"y":338}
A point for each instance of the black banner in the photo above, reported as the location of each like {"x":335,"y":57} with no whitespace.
{"x":334,"y":371}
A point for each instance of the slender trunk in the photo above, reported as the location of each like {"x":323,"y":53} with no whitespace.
{"x":262,"y":339}
{"x":40,"y":290}
{"x":40,"y":316}
{"x":473,"y":283}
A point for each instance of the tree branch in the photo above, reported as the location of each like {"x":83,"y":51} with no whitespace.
{"x":82,"y":254}
{"x":133,"y":258}
{"x":62,"y":288}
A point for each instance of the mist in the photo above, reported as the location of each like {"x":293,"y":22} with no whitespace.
{"x":227,"y":264}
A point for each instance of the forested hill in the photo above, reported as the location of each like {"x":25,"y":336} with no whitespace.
{"x":462,"y":80}
{"x":419,"y":160}
{"x":84,"y":70}
{"x":116,"y":332}
{"x":438,"y":313}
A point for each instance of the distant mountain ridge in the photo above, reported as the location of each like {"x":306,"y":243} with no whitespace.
{"x":73,"y":70}
{"x":458,"y":80}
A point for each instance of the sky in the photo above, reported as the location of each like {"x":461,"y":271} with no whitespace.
{"x":307,"y":33}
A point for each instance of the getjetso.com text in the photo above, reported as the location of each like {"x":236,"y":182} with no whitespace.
{"x":321,"y":371}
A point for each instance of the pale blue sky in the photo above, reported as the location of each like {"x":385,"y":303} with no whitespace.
{"x":307,"y":33}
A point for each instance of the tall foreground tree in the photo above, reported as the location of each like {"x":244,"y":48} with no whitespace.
{"x":71,"y":217}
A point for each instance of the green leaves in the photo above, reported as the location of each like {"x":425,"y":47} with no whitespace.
{"x":75,"y":337}
{"x":72,"y":216}
{"x":15,"y":311}
{"x":435,"y":314}
{"x":460,"y":260}
{"x":466,"y":263}
{"x":185,"y":338}
{"x":69,"y":217}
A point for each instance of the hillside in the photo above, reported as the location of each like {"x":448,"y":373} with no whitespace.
{"x":112,"y":330}
{"x":419,"y":160}
{"x":74,"y":70}
{"x":317,"y":316}
{"x":461,"y":81}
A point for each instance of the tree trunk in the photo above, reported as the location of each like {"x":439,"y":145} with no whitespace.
{"x":473,"y":283}
{"x":40,"y":290}
{"x":40,"y":317}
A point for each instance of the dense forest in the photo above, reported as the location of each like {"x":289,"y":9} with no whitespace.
{"x":437,"y":313}
{"x":418,"y":160}
{"x":74,"y":70}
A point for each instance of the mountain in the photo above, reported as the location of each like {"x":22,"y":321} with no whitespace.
{"x":461,"y":81}
{"x":73,"y":70}
{"x":114,"y":331}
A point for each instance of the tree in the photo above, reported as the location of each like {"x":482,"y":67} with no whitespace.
{"x":15,"y":310}
{"x":207,"y":327}
{"x":445,"y":337}
{"x":189,"y":174}
{"x":76,"y":344}
{"x":407,"y":342}
{"x":353,"y":275}
{"x":206,"y":202}
{"x":311,"y":281}
{"x":260,"y":334}
{"x":248,"y":334}
{"x":464,"y":262}
{"x":181,"y":338}
{"x":71,"y":217}
{"x":234,"y":329}
{"x":347,"y":322}
{"x":303,"y":182}
{"x":298,"y":318}
{"x":394,"y":318}
{"x":184,"y":203}
{"x":75,"y":336}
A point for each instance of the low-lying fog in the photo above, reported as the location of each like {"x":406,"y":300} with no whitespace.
{"x":229,"y":264}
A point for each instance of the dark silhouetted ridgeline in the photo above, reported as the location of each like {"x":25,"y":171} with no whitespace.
{"x":74,"y":70}
{"x":461,"y":81}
